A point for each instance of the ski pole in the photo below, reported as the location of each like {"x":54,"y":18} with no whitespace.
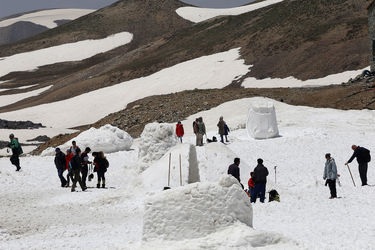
{"x":180,"y":172}
{"x":350,"y":174}
{"x":275,"y":173}
{"x":169,"y":170}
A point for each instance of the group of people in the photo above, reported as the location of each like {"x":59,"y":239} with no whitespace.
{"x":199,"y":129}
{"x":78,"y":166}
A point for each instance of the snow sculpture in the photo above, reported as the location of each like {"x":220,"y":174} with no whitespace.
{"x":156,"y":140}
{"x":196,"y":209}
{"x":261,"y":121}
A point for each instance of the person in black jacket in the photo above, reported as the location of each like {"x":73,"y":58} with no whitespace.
{"x":234,"y":169}
{"x":76,"y":165}
{"x":260,"y":180}
{"x":85,"y":167}
{"x":363,"y":158}
{"x":60,"y":164}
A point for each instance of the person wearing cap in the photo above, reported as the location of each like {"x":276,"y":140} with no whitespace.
{"x":260,"y":180}
{"x":330,"y":175}
{"x":85,"y":162}
{"x":16,"y":151}
{"x":60,"y":163}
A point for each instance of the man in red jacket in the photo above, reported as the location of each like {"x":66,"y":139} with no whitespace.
{"x":179,"y":130}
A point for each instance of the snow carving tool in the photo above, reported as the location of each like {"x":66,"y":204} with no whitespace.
{"x":350,"y":174}
{"x":180,"y":171}
{"x":169,"y":173}
{"x":275,"y":173}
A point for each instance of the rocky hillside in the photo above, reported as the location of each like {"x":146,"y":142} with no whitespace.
{"x":304,"y":39}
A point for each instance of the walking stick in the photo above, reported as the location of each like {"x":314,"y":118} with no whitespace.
{"x":350,"y":174}
{"x":275,"y":173}
{"x":180,"y":171}
{"x":169,"y":173}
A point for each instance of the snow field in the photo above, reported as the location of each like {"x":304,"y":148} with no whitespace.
{"x":195,"y":210}
{"x":47,"y":17}
{"x":107,"y":138}
{"x":196,"y":14}
{"x":62,"y":53}
{"x":10,"y":99}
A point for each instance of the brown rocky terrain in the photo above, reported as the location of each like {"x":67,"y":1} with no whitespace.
{"x":304,"y":39}
{"x":356,"y":94}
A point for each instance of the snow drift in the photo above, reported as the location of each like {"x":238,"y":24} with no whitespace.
{"x":196,"y":210}
{"x":108,"y":139}
{"x":156,"y":140}
{"x":261,"y":121}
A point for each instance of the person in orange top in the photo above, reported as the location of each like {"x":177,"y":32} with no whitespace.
{"x":179,"y":130}
{"x":251,"y":184}
{"x":68,"y":157}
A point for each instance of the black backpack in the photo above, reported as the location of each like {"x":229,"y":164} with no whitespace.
{"x":367,"y":155}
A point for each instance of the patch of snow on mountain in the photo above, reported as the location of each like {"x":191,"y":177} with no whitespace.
{"x":47,"y":18}
{"x":196,"y":14}
{"x":62,"y":53}
{"x":9,"y":99}
{"x":213,"y":71}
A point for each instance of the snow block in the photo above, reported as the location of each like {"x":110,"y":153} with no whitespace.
{"x":155,"y":178}
{"x":107,"y":138}
{"x":156,"y":140}
{"x":261,"y":121}
{"x":196,"y":210}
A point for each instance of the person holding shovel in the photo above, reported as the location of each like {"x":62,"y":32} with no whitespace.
{"x":330,"y":175}
{"x":363,"y":158}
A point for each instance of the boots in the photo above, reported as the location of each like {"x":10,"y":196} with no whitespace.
{"x":98,"y":185}
{"x":103,"y":185}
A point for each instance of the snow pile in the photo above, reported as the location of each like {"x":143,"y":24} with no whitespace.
{"x":261,"y":121}
{"x":108,"y":139}
{"x":195,"y":210}
{"x":47,"y":18}
{"x":62,"y":53}
{"x":155,"y":178}
{"x":156,"y":140}
{"x":196,"y":15}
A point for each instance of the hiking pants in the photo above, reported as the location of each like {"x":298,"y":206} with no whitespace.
{"x":101,"y":177}
{"x":259,"y":190}
{"x":362,"y":168}
{"x":77,"y":178}
{"x":332,"y":187}
{"x":199,"y":139}
{"x":180,"y":137}
{"x":222,"y":138}
{"x":15,"y":160}
{"x":84,"y":172}
{"x":60,"y":172}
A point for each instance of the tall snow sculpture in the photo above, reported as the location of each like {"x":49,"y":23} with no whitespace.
{"x":261,"y":121}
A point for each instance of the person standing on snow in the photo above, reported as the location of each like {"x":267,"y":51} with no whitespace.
{"x":60,"y":163}
{"x":251,"y":184}
{"x":76,"y":166}
{"x":16,"y":151}
{"x":68,"y":157}
{"x":101,"y":164}
{"x":201,"y":131}
{"x":179,"y":130}
{"x":195,"y":130}
{"x":221,"y":126}
{"x":330,"y":175}
{"x":260,"y":180}
{"x":74,"y":148}
{"x":363,"y":158}
{"x":234,"y":169}
{"x":85,"y":167}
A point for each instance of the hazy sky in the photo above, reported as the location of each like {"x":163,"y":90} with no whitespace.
{"x":10,"y":7}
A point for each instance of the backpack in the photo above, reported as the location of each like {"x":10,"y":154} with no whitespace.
{"x":367,"y":156}
{"x":273,"y":196}
{"x":20,"y":151}
{"x":195,"y":127}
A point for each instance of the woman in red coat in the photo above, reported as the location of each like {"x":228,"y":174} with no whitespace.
{"x":179,"y":130}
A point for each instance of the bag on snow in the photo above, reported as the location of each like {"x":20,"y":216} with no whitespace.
{"x":273,"y":196}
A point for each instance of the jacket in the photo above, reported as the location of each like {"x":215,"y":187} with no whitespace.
{"x":76,"y":163}
{"x":68,"y":158}
{"x":60,"y":161}
{"x":251,"y":183}
{"x":195,"y":127}
{"x":330,"y":170}
{"x":361,"y":154}
{"x":15,"y":146}
{"x":179,"y":130}
{"x":260,"y":174}
{"x":221,"y":126}
{"x":101,"y":164}
{"x":234,"y":170}
{"x":201,"y":128}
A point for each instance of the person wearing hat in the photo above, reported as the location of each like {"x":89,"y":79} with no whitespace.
{"x":330,"y":175}
{"x":85,"y":162}
{"x":60,"y":163}
{"x":16,"y":151}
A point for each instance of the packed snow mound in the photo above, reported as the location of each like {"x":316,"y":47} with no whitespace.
{"x":261,"y":121}
{"x":155,"y":178}
{"x":108,"y":139}
{"x":196,"y":209}
{"x":156,"y":140}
